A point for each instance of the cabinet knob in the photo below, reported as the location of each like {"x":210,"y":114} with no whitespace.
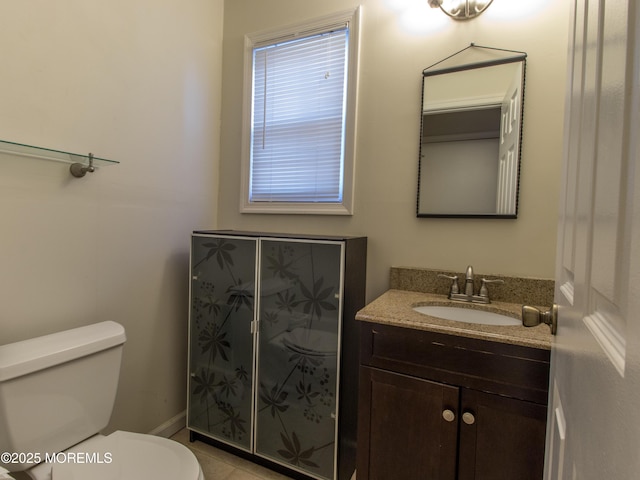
{"x":448,"y":415}
{"x":468,"y":418}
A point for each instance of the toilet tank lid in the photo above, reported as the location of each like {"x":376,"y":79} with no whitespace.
{"x":28,"y":356}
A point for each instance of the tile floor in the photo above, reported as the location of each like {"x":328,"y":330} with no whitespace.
{"x":220,"y":465}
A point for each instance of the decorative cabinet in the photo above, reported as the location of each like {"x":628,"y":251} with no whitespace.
{"x":273,"y":362}
{"x":436,"y":406}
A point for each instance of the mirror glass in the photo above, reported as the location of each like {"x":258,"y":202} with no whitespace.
{"x":470,"y":139}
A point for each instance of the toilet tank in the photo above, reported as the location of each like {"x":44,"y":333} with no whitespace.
{"x":57,"y":390}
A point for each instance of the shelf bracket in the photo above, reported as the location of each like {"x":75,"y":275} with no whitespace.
{"x":79,"y":170}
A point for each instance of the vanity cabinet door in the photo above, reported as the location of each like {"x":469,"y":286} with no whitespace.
{"x":501,"y":438}
{"x":408,"y":427}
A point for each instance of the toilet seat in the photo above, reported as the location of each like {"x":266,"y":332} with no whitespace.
{"x":125,"y":456}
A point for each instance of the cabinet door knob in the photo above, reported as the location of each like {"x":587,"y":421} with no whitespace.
{"x":448,"y":415}
{"x":468,"y":418}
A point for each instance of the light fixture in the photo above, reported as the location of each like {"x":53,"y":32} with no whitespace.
{"x":461,"y":9}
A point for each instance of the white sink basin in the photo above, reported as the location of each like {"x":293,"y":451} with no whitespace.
{"x":460,"y":314}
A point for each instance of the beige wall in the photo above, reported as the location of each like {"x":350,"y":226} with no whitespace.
{"x":133,"y":80}
{"x":392,"y":59}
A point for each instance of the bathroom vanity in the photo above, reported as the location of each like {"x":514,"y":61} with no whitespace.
{"x":446,"y":399}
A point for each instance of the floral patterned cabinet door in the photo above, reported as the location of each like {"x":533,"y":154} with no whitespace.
{"x":221,"y":343}
{"x":273,"y":347}
{"x":298,"y":354}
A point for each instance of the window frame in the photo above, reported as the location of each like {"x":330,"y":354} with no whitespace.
{"x":290,"y":32}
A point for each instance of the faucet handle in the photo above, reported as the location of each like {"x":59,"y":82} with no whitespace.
{"x":454,"y":283}
{"x":484,"y":292}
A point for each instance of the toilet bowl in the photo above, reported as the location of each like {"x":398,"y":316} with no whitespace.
{"x":121,"y":456}
{"x":56,"y":396}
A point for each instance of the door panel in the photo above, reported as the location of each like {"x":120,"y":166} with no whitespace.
{"x":221,"y":343}
{"x":298,"y":354}
{"x":408,"y":436}
{"x":509,"y":150}
{"x":501,"y":438}
{"x":568,"y":209}
{"x":608,"y":279}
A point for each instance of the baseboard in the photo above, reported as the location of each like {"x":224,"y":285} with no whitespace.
{"x":171,"y":426}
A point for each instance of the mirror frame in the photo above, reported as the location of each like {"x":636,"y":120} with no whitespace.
{"x":427,"y":72}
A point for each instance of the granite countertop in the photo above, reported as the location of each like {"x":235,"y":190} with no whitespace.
{"x":395,"y":307}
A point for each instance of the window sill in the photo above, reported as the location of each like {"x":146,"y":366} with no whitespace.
{"x":296,"y":208}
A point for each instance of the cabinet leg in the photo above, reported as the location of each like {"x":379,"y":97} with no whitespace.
{"x":192,"y":436}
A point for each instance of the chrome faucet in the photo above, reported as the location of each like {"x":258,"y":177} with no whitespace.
{"x":468,"y":283}
{"x":468,"y":295}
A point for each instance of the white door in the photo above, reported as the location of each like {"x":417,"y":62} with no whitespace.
{"x":593,"y":429}
{"x":509,"y":150}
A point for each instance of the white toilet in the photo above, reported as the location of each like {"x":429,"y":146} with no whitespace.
{"x":57,"y":394}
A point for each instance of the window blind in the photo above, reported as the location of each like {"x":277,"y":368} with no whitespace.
{"x":298,"y":119}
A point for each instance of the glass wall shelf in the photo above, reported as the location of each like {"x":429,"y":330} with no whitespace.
{"x":55,"y":155}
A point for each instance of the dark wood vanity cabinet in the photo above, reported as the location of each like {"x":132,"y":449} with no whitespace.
{"x":444,"y":407}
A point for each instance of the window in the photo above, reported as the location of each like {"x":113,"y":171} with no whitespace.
{"x":299,"y":117}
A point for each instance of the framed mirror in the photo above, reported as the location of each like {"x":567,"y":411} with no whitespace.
{"x":470,"y":136}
